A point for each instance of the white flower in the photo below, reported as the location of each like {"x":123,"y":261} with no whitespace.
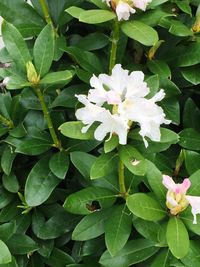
{"x":124,"y":10}
{"x":141,"y":4}
{"x":123,"y":94}
{"x":177,"y":200}
{"x":109,"y":123}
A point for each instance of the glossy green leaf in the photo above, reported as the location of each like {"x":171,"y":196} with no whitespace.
{"x":116,"y":237}
{"x":134,"y":251}
{"x":34,"y":146}
{"x":89,"y":200}
{"x":132,"y":159}
{"x":96,"y":16}
{"x":7,"y":159}
{"x":177,"y":238}
{"x":60,"y":77}
{"x":11,"y":183}
{"x":192,"y":161}
{"x":162,"y":259}
{"x":73,"y":129}
{"x":140,"y":32}
{"x":15,"y":45}
{"x":104,"y":165}
{"x":21,"y":244}
{"x":5,"y":255}
{"x":159,"y":67}
{"x":190,"y":139}
{"x":91,"y":226}
{"x":144,"y":206}
{"x":59,"y":164}
{"x":43,"y":51}
{"x":40,"y":183}
{"x":191,"y":74}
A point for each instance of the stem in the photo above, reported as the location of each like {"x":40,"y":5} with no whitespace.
{"x":46,"y":13}
{"x":113,"y":51}
{"x":48,"y":118}
{"x":6,"y":122}
{"x":122,"y":187}
{"x":113,"y":54}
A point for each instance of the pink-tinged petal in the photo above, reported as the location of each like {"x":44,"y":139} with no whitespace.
{"x":169,"y":183}
{"x":185,"y":185}
{"x":113,"y":98}
{"x":195,"y":204}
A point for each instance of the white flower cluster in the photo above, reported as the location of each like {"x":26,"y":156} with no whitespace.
{"x":124,"y":8}
{"x":116,"y":101}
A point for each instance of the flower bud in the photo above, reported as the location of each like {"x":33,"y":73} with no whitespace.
{"x":32,"y":75}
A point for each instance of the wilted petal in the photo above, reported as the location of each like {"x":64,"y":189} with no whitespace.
{"x":195,"y":204}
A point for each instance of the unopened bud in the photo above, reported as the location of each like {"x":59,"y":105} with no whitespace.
{"x":32,"y":75}
{"x":6,"y":81}
{"x":196,"y":26}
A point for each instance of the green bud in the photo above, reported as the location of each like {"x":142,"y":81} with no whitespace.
{"x":32,"y":75}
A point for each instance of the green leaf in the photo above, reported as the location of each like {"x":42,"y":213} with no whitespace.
{"x":43,"y":51}
{"x":116,"y":237}
{"x":192,"y":258}
{"x":191,"y":115}
{"x":15,"y":45}
{"x":33,"y":146}
{"x":177,"y":238}
{"x":11,"y":183}
{"x":160,"y":68}
{"x":179,"y":29}
{"x":23,"y":16}
{"x":192,"y":161}
{"x":59,"y":77}
{"x":187,"y":217}
{"x":21,"y":244}
{"x":104,"y":165}
{"x":91,"y":226}
{"x":74,"y":11}
{"x":40,"y":183}
{"x":88,"y":200}
{"x":140,"y":32}
{"x":58,"y":258}
{"x":84,"y":166}
{"x":87,"y":60}
{"x":93,"y":41}
{"x":134,"y":251}
{"x":96,"y":16}
{"x":5,"y":255}
{"x":72,"y":129}
{"x":191,"y":55}
{"x":190,"y":139}
{"x":162,"y":259}
{"x":7,"y":230}
{"x":144,"y":206}
{"x":111,"y":144}
{"x":59,"y":164}
{"x":154,"y":177}
{"x":132,"y":159}
{"x":195,"y":184}
{"x":7,"y":159}
{"x":191,"y":74}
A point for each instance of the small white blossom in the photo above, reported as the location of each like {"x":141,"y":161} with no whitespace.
{"x":177,"y":200}
{"x":124,"y":8}
{"x":118,"y":99}
{"x":141,"y":4}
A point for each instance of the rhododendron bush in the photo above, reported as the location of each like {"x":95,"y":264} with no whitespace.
{"x":100,"y":133}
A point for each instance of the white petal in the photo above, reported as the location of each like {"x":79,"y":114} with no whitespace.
{"x":124,"y":10}
{"x":141,"y":4}
{"x":117,"y":81}
{"x":195,"y":204}
{"x":136,"y":87}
